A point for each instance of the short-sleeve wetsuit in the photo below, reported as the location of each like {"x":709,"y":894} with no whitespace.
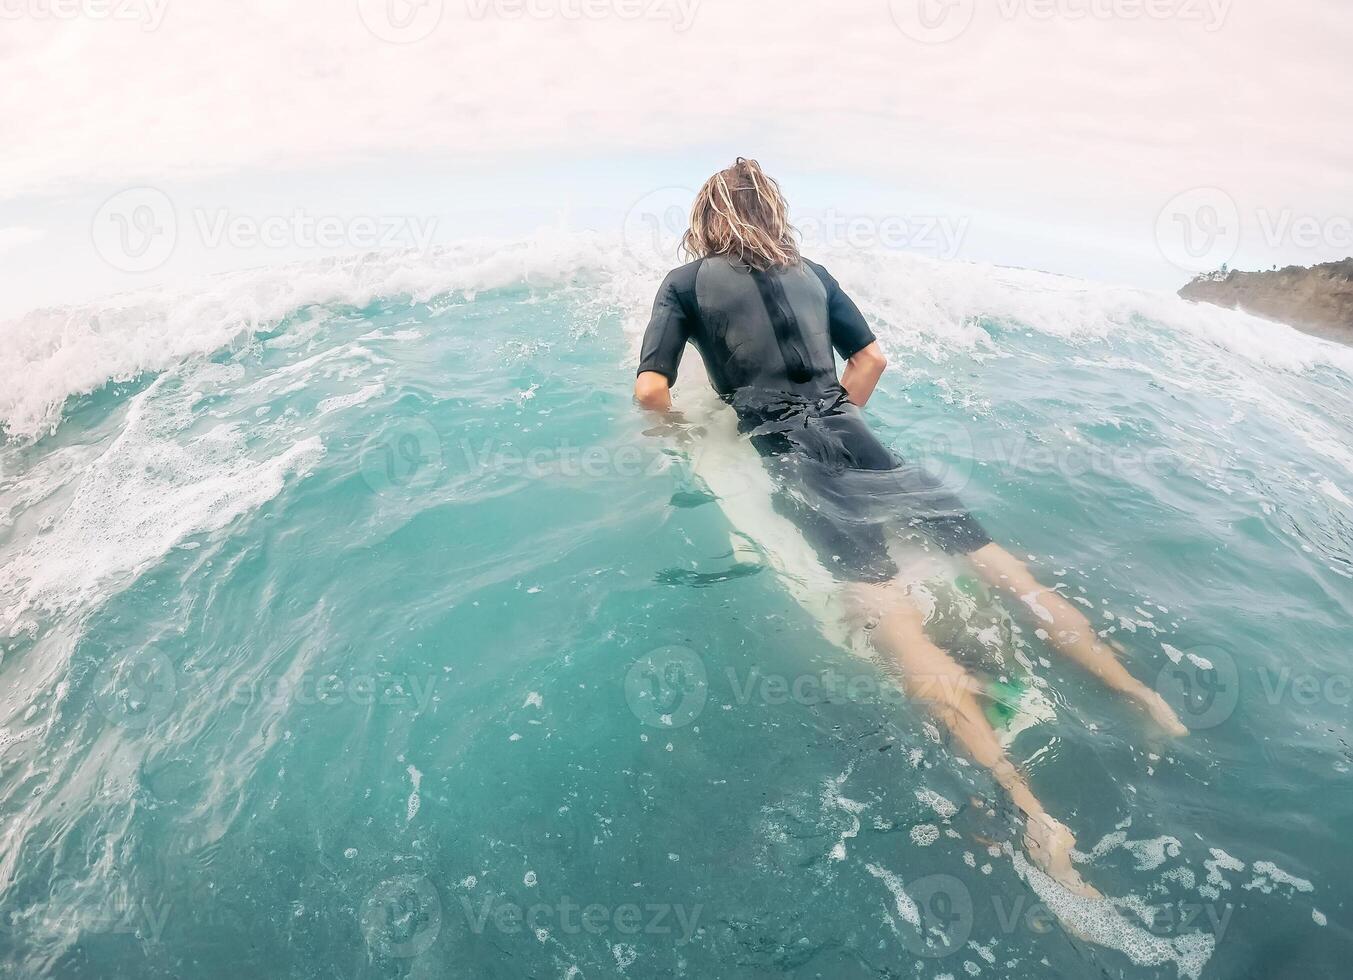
{"x":767,"y":340}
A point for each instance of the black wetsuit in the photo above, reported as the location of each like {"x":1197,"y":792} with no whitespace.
{"x":767,"y":339}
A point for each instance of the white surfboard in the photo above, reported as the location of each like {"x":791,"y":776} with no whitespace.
{"x":730,"y":469}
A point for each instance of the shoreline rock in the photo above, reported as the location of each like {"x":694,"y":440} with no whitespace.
{"x":1316,"y":300}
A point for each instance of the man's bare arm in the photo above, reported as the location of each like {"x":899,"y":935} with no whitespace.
{"x":862,"y":373}
{"x":653,"y":391}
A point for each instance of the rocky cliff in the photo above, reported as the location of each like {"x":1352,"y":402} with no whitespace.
{"x":1318,"y":300}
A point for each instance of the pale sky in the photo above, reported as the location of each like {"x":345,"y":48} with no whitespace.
{"x":1051,"y":133}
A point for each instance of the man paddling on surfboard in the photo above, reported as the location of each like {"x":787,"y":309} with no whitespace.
{"x":766,"y":321}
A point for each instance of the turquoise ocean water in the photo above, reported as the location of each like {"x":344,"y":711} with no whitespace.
{"x":354,"y":624}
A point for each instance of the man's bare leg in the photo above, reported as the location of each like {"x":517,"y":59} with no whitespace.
{"x":949,"y":693}
{"x":1070,"y":632}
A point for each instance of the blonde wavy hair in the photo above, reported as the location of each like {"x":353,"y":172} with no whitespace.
{"x":741,"y":212}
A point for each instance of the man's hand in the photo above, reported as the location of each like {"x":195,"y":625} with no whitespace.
{"x":653,"y":391}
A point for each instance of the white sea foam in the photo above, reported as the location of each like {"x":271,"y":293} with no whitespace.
{"x":1148,"y":854}
{"x":924,"y":834}
{"x":1219,"y":862}
{"x":919,"y":304}
{"x":359,"y":397}
{"x":415,"y":795}
{"x":903,"y":903}
{"x":943,"y":808}
{"x":1269,"y":874}
{"x":153,"y":486}
{"x":834,"y":799}
{"x":49,"y":355}
{"x":1326,"y":487}
{"x":1099,"y":921}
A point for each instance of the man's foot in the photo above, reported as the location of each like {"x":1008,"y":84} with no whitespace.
{"x":1049,"y":844}
{"x":1161,"y":713}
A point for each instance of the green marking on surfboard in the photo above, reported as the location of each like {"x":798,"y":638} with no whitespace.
{"x":970,"y":586}
{"x":1006,"y":702}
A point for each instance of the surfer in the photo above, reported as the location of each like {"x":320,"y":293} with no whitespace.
{"x":766,"y":322}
